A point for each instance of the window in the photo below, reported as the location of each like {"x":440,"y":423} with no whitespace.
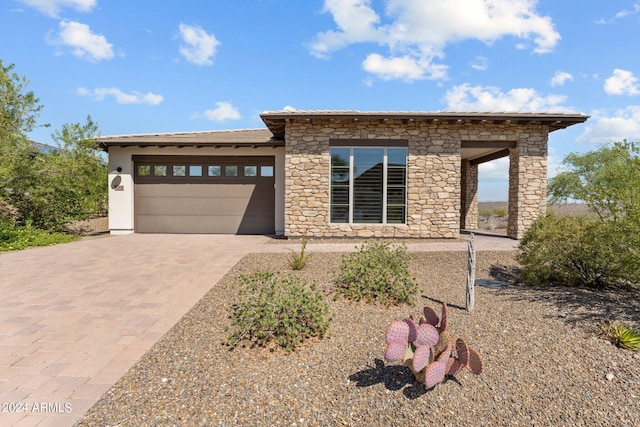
{"x":250,"y":171}
{"x":144,"y":170}
{"x":230,"y":171}
{"x":368,"y":185}
{"x":195,"y":170}
{"x":214,"y":170}
{"x":159,"y":170}
{"x":266,"y":170}
{"x":179,"y":171}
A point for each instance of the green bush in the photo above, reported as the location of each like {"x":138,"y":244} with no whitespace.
{"x":8,"y":213}
{"x":15,"y":238}
{"x":580,"y":251}
{"x":277,"y":308}
{"x":622,"y":336}
{"x":377,"y":272}
{"x":298,"y":260}
{"x":488,"y":212}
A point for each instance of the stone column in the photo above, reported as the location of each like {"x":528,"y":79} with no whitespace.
{"x":527,"y":184}
{"x":469,"y":196}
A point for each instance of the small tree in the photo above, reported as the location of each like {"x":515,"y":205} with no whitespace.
{"x":582,"y":251}
{"x":606,"y":179}
{"x":46,"y":189}
{"x":73,"y":181}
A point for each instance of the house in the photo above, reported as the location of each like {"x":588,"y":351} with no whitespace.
{"x":330,"y":174}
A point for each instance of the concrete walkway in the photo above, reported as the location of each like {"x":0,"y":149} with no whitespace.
{"x":76,"y":317}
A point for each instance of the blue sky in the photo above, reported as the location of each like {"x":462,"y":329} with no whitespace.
{"x":167,"y":66}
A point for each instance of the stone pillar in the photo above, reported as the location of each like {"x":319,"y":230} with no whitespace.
{"x":527,"y":184}
{"x":469,"y":196}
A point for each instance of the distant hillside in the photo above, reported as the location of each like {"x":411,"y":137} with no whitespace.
{"x":559,"y":208}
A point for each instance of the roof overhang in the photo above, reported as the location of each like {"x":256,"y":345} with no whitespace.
{"x":225,"y":138}
{"x":276,"y":120}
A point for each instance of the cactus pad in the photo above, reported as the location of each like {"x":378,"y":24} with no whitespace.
{"x":454,"y":366}
{"x":421,"y":357}
{"x":395,"y":351}
{"x":430,"y":316}
{"x":397,"y":332}
{"x":443,"y":343}
{"x":426,"y":335}
{"x":434,"y":373}
{"x":475,"y":363}
{"x":463,"y":351}
{"x":413,"y":328}
{"x":443,"y":318}
{"x":444,"y":356}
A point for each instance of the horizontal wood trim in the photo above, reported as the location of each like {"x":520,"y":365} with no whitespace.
{"x":489,"y":157}
{"x":204,"y":160}
{"x":488,"y":144}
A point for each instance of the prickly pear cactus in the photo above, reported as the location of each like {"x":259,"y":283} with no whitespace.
{"x":428,"y":349}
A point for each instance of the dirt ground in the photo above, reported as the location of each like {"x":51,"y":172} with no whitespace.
{"x":90,"y":228}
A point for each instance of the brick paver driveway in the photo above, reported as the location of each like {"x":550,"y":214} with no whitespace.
{"x":75,"y":317}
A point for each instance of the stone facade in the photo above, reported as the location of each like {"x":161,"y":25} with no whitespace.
{"x":469,"y":203}
{"x":527,"y":183}
{"x":438,"y":203}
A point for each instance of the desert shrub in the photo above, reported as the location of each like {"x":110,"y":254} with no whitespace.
{"x":580,"y":251}
{"x":8,"y":213}
{"x":15,"y":238}
{"x":377,"y":272}
{"x":277,"y":308}
{"x":501,"y":212}
{"x":298,"y":260}
{"x":489,"y":212}
{"x":622,"y":336}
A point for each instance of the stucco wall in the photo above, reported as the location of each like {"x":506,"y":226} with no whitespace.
{"x":121,"y":203}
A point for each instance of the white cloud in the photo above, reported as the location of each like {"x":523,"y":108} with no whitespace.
{"x":83,"y":43}
{"x":223,"y":111}
{"x":622,"y":14}
{"x":560,"y":78}
{"x":289,"y":108}
{"x":491,"y":99}
{"x":495,"y":170}
{"x":622,"y":82}
{"x":404,"y":67}
{"x":199,"y":47}
{"x":480,"y":63}
{"x":99,"y":94}
{"x":53,"y":7}
{"x":419,"y":30}
{"x":605,"y":126}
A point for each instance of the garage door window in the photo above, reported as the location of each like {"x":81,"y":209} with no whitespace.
{"x":144,"y":170}
{"x":202,"y":169}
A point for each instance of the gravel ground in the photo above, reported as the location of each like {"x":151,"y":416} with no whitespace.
{"x":544,"y":364}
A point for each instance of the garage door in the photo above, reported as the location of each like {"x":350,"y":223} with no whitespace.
{"x":204,"y":194}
